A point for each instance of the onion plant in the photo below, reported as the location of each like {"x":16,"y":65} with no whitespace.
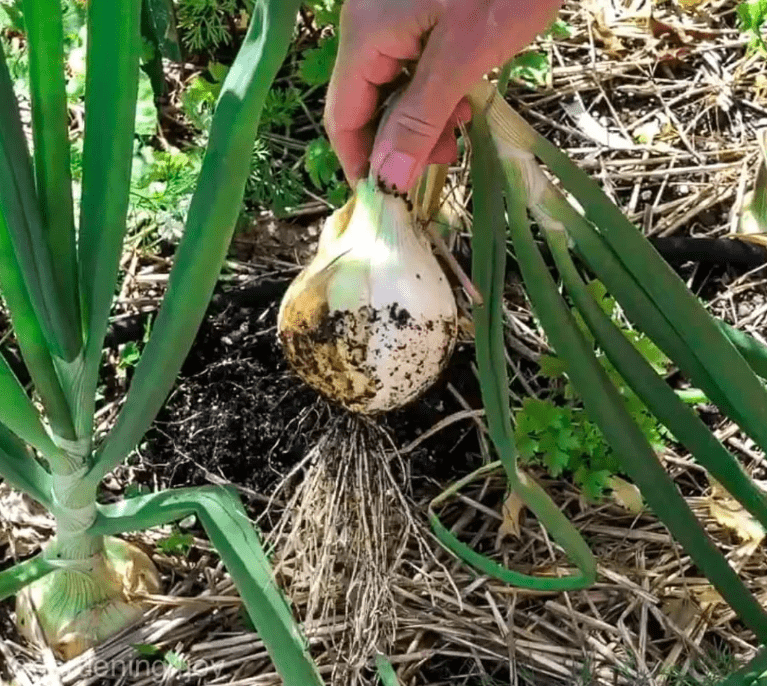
{"x":59,"y":269}
{"x":510,"y":189}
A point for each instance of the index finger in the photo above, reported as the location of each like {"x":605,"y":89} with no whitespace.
{"x":350,"y":105}
{"x":353,"y":94}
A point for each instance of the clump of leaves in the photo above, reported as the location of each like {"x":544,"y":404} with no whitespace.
{"x":207,"y":24}
{"x":323,"y":166}
{"x":533,"y":67}
{"x":326,"y":12}
{"x":317,"y":63}
{"x":563,"y":438}
{"x":272,"y":182}
{"x":751,"y":17}
{"x":169,"y":176}
{"x":275,"y":180}
{"x":130,"y":352}
{"x":198,"y":99}
{"x":279,"y":107}
{"x":176,"y":544}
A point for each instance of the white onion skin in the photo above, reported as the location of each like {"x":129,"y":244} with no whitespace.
{"x":371,"y":321}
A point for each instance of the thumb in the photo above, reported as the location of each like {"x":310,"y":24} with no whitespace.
{"x":420,"y":118}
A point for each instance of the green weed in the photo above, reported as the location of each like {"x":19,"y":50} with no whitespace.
{"x":176,"y":543}
{"x":563,"y":438}
{"x":207,"y":24}
{"x":751,"y":16}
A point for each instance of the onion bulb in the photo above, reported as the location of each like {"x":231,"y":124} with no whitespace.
{"x":371,"y":321}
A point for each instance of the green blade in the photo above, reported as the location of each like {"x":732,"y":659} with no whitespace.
{"x":13,"y":579}
{"x":43,"y":22}
{"x":21,"y":211}
{"x":752,"y":674}
{"x":19,"y":414}
{"x":21,"y":470}
{"x":50,"y":126}
{"x":111,"y":86}
{"x":386,"y":672}
{"x":31,"y":340}
{"x":743,"y":391}
{"x":660,"y":399}
{"x":230,"y":531}
{"x":531,"y":492}
{"x":754,"y":352}
{"x":209,"y":227}
{"x":641,"y":309}
{"x":160,"y":17}
{"x":488,"y":272}
{"x":605,"y":407}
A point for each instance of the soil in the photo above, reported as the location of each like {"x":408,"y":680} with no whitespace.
{"x":239,"y":412}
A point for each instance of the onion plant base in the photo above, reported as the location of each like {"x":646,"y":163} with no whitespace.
{"x":59,"y":286}
{"x":72,"y":610}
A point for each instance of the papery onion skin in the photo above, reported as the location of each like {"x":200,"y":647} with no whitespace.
{"x":376,"y":347}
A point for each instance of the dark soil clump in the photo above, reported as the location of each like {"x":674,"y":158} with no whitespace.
{"x":238,"y":413}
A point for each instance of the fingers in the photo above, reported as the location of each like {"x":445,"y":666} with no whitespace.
{"x":470,"y":38}
{"x":466,"y":38}
{"x":350,"y":105}
{"x":367,"y":58}
{"x":432,"y":104}
{"x":446,"y":149}
{"x":351,"y":102}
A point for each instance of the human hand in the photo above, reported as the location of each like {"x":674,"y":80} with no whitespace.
{"x":455,"y":42}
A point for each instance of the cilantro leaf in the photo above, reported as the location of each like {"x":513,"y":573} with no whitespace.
{"x":321,"y":162}
{"x":593,"y":483}
{"x":552,"y":367}
{"x":557,"y":461}
{"x":317,"y":64}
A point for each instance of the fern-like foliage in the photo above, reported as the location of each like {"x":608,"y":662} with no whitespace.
{"x":205,"y":24}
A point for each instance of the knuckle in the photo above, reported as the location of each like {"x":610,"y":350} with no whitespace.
{"x":415,"y":124}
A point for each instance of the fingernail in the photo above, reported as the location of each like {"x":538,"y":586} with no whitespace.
{"x":397,"y":170}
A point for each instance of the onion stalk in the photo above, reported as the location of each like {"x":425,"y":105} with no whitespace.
{"x":58,"y":285}
{"x":715,"y":358}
